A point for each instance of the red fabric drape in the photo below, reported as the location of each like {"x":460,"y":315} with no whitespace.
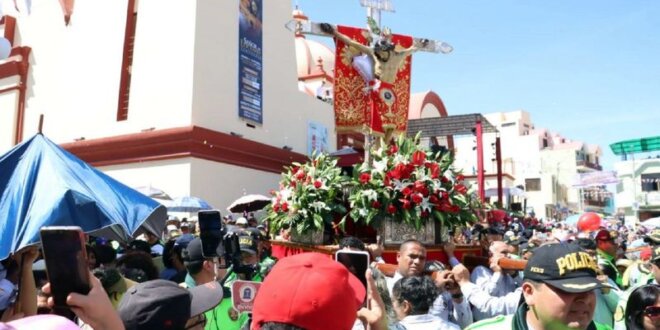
{"x":356,"y":108}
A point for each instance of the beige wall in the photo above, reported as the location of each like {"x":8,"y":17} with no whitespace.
{"x":219,"y":184}
{"x":184,"y":71}
{"x":74,"y":72}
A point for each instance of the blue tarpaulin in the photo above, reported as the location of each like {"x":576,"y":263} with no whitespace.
{"x":44,"y":185}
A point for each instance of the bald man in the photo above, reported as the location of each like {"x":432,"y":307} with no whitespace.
{"x":449,"y":306}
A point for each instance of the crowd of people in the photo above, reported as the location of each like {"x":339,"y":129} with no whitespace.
{"x":571,"y":280}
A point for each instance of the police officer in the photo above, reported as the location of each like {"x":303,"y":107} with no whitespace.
{"x":619,"y":322}
{"x":606,"y":250}
{"x":558,"y":291}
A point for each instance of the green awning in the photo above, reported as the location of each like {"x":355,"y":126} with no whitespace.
{"x":636,"y":146}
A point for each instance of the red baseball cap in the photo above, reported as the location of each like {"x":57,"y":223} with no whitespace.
{"x":310,"y":291}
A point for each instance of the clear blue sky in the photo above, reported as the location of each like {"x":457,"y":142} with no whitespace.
{"x":588,"y":69}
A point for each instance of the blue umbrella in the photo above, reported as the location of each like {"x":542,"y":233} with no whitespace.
{"x":44,"y":185}
{"x":572,"y":219}
{"x":188,"y":204}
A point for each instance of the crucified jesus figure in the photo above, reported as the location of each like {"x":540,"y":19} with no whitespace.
{"x":386,"y":61}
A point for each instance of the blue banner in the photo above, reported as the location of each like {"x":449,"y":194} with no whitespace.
{"x":250,"y":62}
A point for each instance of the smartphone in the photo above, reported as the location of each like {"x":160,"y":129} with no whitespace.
{"x":210,"y":232}
{"x":66,"y":262}
{"x":356,"y":262}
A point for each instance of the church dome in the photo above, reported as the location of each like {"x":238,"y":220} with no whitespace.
{"x":312,"y":57}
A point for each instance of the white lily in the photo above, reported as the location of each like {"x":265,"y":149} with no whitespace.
{"x":371,"y":194}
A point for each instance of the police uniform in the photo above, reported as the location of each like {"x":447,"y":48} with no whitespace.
{"x":619,"y":313}
{"x":563,"y":266}
{"x":606,"y":262}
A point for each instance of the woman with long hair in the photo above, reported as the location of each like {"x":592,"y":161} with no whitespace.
{"x":643,"y":308}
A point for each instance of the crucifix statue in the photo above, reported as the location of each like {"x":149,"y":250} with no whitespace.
{"x":382,"y":60}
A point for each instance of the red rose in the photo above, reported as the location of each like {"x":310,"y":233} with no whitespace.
{"x":434,"y":199}
{"x":393,"y":149}
{"x":444,"y":179}
{"x":405,"y":204}
{"x":460,"y":177}
{"x":455,"y":209}
{"x":300,"y":175}
{"x":285,"y":207}
{"x":445,"y":195}
{"x":318,"y":184}
{"x":386,"y":181}
{"x":435,"y":170}
{"x":417,"y":198}
{"x":461,"y":189}
{"x":398,"y":172}
{"x":419,"y":186}
{"x":293,"y":184}
{"x":425,"y":214}
{"x":391,"y":209}
{"x":418,"y":158}
{"x":276,"y":207}
{"x":445,"y":207}
{"x":406,"y":191}
{"x":364,"y":178}
{"x":376,"y":204}
{"x":409,"y":168}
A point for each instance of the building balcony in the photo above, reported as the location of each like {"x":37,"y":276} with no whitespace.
{"x":595,"y":202}
{"x":587,"y":166}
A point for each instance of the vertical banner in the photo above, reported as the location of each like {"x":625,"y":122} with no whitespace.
{"x":317,"y":137}
{"x":371,"y":105}
{"x":250,"y":63}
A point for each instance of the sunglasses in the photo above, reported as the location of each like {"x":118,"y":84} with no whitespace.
{"x":652,"y":311}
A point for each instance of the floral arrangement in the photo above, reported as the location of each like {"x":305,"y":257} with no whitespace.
{"x":407,"y":183}
{"x":309,"y":195}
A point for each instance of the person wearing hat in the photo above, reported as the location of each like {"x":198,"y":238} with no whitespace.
{"x":654,"y":278}
{"x":162,"y":304}
{"x":249,"y":257}
{"x":653,"y":238}
{"x":606,"y":248}
{"x":266,"y":260}
{"x":308,"y":291}
{"x":558,"y":292}
{"x":242,"y":222}
{"x":204,"y":271}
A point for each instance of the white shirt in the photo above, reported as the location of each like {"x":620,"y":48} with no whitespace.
{"x":427,"y":322}
{"x":496,"y":284}
{"x":460,"y":313}
{"x":442,"y":306}
{"x":487,"y":306}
